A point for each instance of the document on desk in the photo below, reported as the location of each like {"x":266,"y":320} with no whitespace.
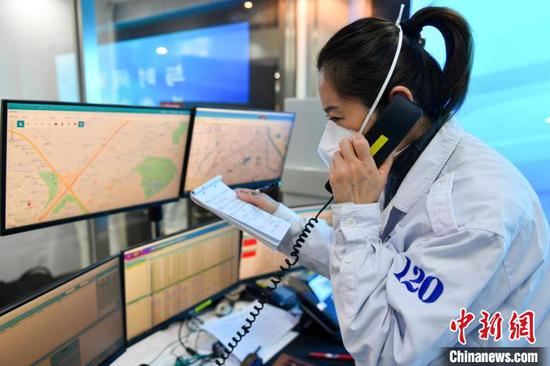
{"x":271,"y":326}
{"x":217,"y":197}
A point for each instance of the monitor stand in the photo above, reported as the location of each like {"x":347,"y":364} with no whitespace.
{"x":275,"y":193}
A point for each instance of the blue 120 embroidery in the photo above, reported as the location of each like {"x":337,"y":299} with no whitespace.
{"x":420,"y":283}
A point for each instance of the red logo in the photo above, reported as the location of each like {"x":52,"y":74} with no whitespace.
{"x":491,"y":325}
{"x":461,"y":324}
{"x":522,"y":326}
{"x":519,"y":325}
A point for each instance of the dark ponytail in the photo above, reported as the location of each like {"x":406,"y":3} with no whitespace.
{"x":357,"y":58}
{"x":458,"y":45}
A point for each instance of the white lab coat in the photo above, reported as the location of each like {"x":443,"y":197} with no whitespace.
{"x":466,"y":217}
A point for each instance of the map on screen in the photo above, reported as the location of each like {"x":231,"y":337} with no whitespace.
{"x":66,"y":161}
{"x":241,"y":146}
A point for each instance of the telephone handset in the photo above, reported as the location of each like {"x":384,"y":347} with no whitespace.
{"x":392,"y":126}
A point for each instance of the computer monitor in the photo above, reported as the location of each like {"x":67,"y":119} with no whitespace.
{"x":165,"y":278}
{"x":65,"y":161}
{"x":258,"y":260}
{"x":247,"y":148}
{"x":77,"y":322}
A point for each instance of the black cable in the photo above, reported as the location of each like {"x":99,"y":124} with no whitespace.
{"x":265,"y":295}
{"x":181,"y":341}
{"x":176,"y":356}
{"x":204,"y":357}
{"x":161,"y":352}
{"x":187,"y":349}
{"x":193,"y":327}
{"x":197,"y":336}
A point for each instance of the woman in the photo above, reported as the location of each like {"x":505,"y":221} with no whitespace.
{"x":445,"y":223}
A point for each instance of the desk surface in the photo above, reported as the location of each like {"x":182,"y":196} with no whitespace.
{"x":312,"y":339}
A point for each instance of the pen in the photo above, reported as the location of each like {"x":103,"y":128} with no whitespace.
{"x":331,"y":356}
{"x":270,"y":186}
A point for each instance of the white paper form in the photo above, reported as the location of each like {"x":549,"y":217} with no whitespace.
{"x":217,"y":197}
{"x":270,"y":326}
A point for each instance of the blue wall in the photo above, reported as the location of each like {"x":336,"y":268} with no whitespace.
{"x":508,"y":105}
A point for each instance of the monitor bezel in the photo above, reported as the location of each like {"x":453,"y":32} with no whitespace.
{"x":251,"y":185}
{"x":62,"y":281}
{"x":268,"y":276}
{"x":185,"y":313}
{"x":8,"y":231}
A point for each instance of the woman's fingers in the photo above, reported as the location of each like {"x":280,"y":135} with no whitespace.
{"x":362,"y":148}
{"x":347,"y":151}
{"x":386,"y":166}
{"x":258,"y":199}
{"x":243,"y":190}
{"x":338,"y":161}
{"x":249,"y":195}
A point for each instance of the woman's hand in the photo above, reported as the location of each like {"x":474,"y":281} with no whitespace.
{"x":353,"y":174}
{"x":258,"y":199}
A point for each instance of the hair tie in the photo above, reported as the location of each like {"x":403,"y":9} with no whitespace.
{"x":410,"y":31}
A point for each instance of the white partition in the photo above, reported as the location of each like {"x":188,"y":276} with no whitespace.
{"x":305,"y":174}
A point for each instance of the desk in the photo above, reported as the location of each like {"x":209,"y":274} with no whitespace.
{"x":146,"y":350}
{"x":314,"y":339}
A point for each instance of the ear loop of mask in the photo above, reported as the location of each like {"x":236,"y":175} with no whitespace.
{"x":390,"y":73}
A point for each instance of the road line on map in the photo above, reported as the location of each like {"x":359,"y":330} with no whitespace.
{"x":50,"y":165}
{"x":45,"y":214}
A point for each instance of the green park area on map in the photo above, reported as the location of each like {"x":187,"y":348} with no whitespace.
{"x":68,"y":199}
{"x":178,"y":133}
{"x":50,"y":179}
{"x":156,"y":173}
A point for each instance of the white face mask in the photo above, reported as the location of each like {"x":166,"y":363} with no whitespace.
{"x":330,"y":141}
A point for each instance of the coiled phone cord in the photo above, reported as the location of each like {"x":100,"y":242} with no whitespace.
{"x":266,"y":293}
